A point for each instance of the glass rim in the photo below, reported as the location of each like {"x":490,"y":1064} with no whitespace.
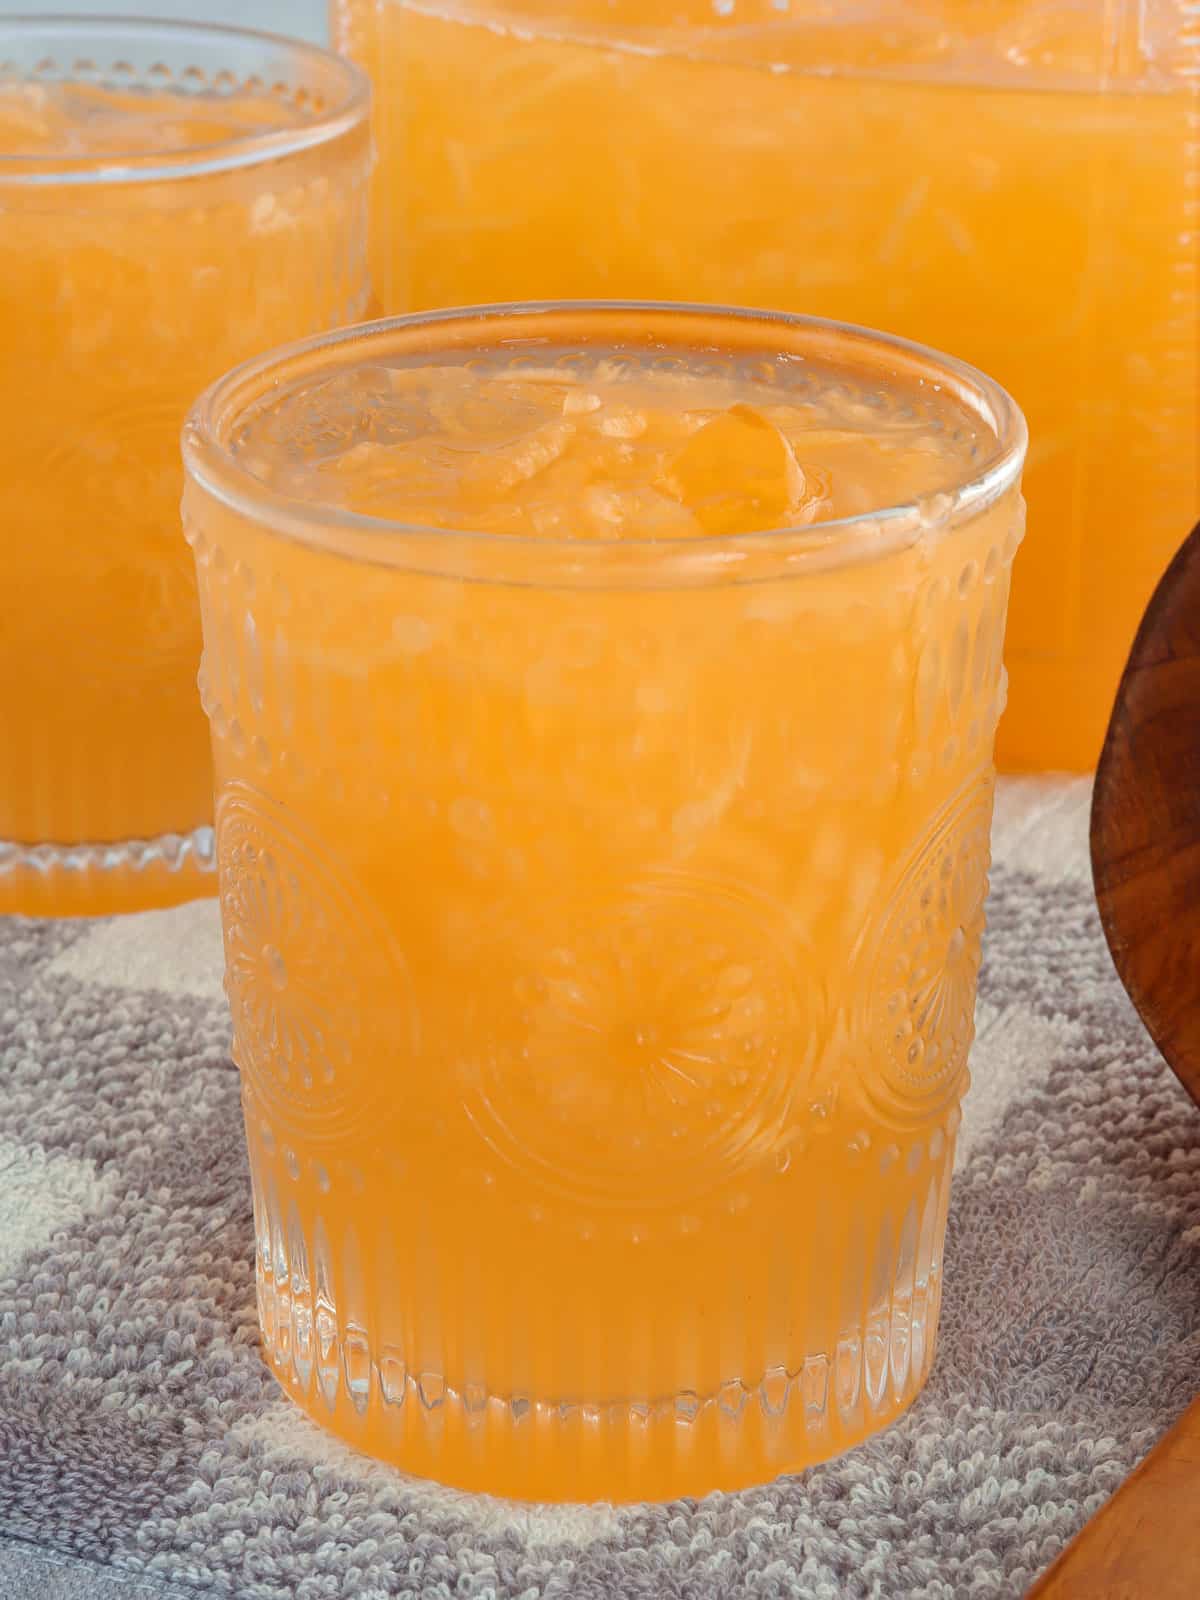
{"x":348,"y":107}
{"x":864,"y":536}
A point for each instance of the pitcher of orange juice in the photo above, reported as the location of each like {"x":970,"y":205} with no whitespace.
{"x":1014,"y":180}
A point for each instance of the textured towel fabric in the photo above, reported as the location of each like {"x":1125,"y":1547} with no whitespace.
{"x":142,"y":1437}
{"x":27,"y":1573}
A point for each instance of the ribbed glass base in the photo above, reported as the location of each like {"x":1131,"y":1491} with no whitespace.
{"x":491,"y":1377}
{"x":99,"y":879}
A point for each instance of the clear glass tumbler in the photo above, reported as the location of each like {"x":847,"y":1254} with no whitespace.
{"x":602,"y":916}
{"x":172,"y":199}
{"x":1014,"y":180}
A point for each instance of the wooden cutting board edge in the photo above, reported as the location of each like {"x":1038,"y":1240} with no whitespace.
{"x":1144,"y":1544}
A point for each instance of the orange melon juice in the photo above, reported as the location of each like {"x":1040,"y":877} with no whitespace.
{"x":602,"y":705}
{"x":171,"y":200}
{"x":1013,"y":181}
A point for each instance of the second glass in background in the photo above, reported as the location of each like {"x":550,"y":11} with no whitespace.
{"x":173,"y":198}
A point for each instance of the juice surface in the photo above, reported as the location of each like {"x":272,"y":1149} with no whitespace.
{"x":609,"y":443}
{"x":602,"y":916}
{"x":1014,"y":183}
{"x":119,"y":300}
{"x":85,"y":119}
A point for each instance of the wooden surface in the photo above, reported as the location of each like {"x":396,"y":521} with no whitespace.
{"x":1146,"y":822}
{"x":1145,"y":1543}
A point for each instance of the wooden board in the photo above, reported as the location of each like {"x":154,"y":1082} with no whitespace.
{"x":1146,"y":822}
{"x":1145,"y":1543}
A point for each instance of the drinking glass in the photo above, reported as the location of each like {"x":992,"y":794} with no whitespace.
{"x":602,"y":916}
{"x":173,"y":198}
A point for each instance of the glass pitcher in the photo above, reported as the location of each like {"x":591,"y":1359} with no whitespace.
{"x":1013,"y":181}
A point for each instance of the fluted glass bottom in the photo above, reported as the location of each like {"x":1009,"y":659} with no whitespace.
{"x":524,"y":1374}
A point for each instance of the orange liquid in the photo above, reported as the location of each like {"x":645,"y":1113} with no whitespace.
{"x":119,"y":301}
{"x":602,"y":951}
{"x":953,"y":173}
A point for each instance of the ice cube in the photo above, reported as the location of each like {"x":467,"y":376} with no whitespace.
{"x":501,"y":469}
{"x":579,"y":402}
{"x":737,"y":474}
{"x":622,"y":423}
{"x":635,"y":511}
{"x":494,"y":410}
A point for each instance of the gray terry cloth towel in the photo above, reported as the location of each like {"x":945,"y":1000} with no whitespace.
{"x":146,"y":1452}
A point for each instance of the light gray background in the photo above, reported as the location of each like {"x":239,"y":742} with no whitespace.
{"x":301,"y":18}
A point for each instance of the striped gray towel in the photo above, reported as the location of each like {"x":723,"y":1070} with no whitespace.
{"x":147,"y":1454}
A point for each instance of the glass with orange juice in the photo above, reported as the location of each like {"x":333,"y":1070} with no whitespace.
{"x":172,"y":198}
{"x":603,"y":703}
{"x":1014,"y":180}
